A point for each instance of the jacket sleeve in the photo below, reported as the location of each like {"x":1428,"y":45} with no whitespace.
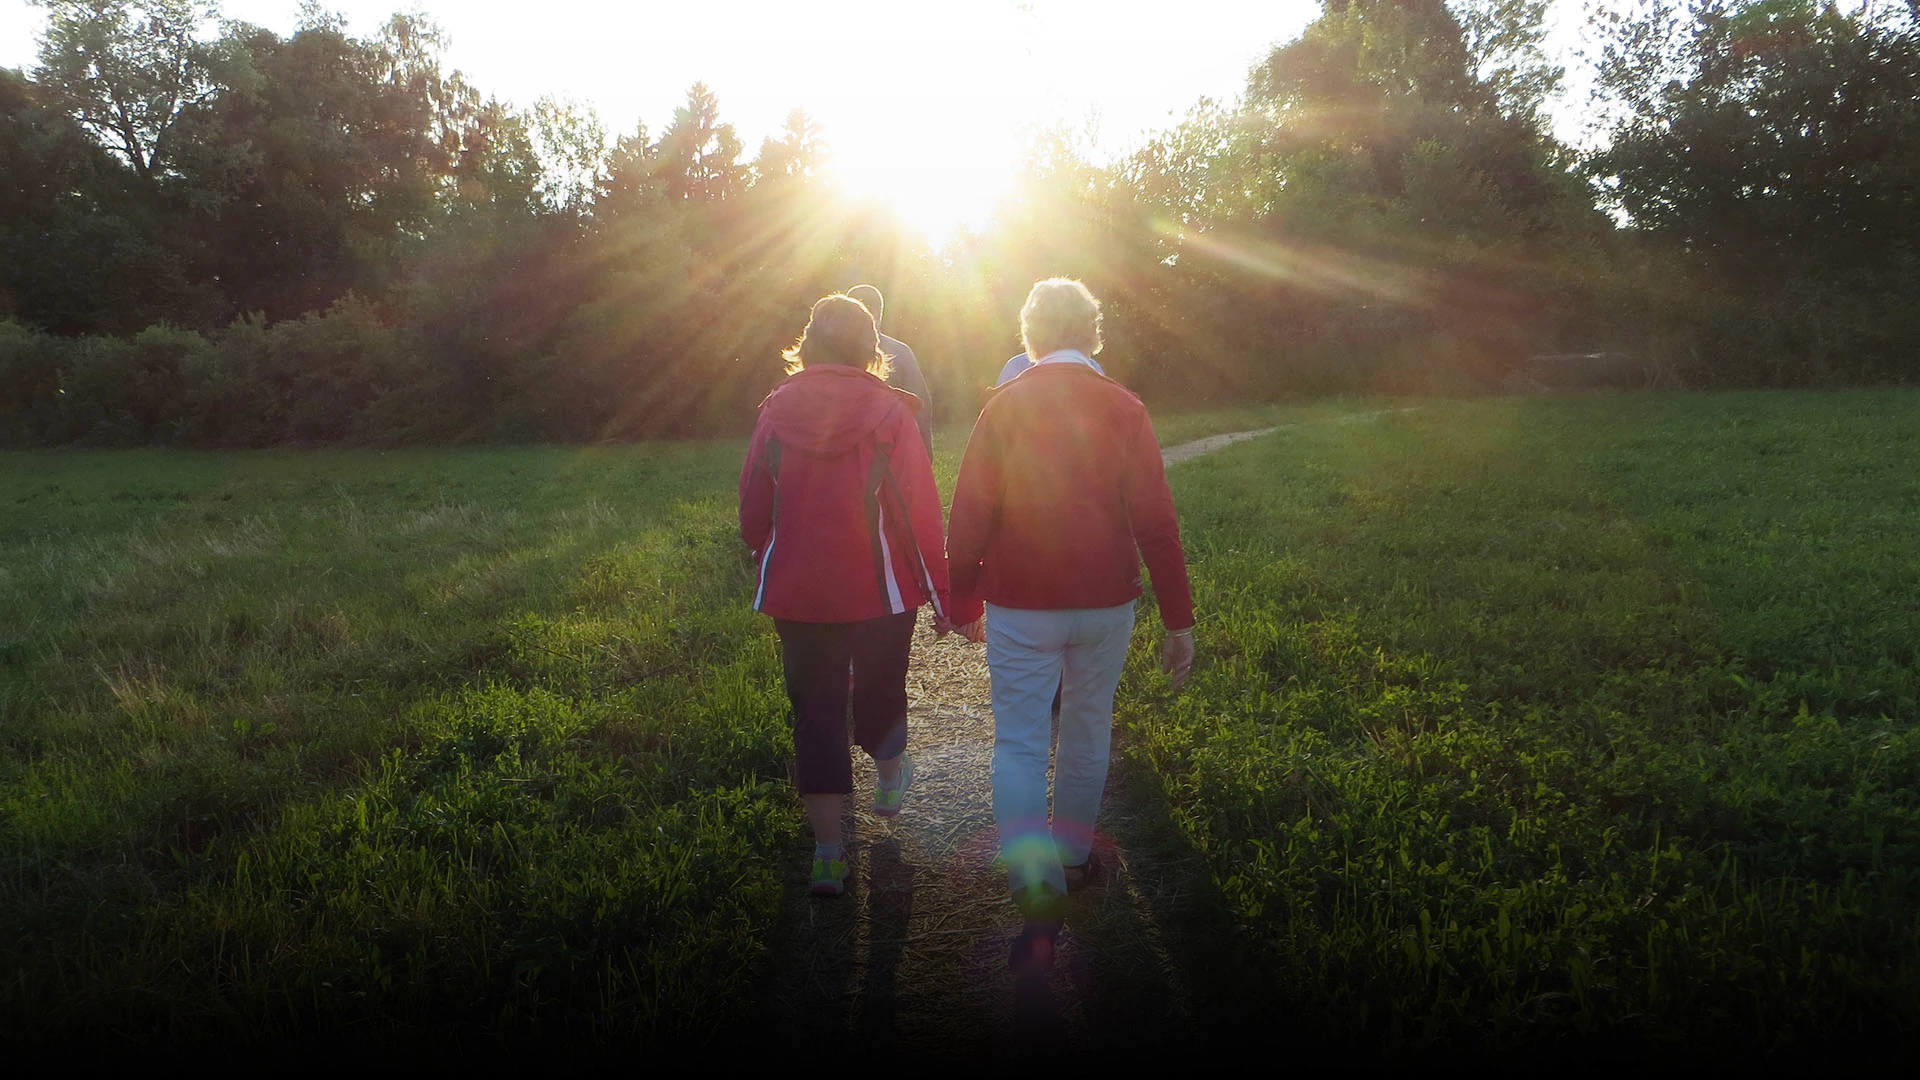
{"x":976,"y":514}
{"x":756,"y":495}
{"x":1156,"y":526}
{"x":913,"y":473}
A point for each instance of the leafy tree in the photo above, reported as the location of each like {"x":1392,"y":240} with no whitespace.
{"x":1788,"y":139}
{"x":313,"y":167}
{"x":1355,"y":97}
{"x":1384,"y":191}
{"x":81,"y":249}
{"x":497,"y":174}
{"x":128,"y":70}
{"x":1507,"y":41}
{"x":1772,"y":145}
{"x":570,"y":145}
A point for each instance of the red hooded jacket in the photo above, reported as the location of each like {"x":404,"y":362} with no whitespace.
{"x":837,"y":501}
{"x":1061,"y":494}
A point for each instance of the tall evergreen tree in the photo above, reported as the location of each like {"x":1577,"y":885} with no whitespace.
{"x":699,"y":155}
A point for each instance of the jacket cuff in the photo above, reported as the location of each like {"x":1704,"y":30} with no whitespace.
{"x":967,"y":610}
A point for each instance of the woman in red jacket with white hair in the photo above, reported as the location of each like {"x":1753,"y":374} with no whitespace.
{"x":1061,"y":495}
{"x":838,"y":504}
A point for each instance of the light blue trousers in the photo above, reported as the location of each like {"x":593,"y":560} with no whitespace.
{"x":1030,"y":654}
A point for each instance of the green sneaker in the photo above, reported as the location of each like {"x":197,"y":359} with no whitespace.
{"x":829,"y":876}
{"x":886,"y":801}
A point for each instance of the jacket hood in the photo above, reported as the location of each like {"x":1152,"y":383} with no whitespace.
{"x":829,"y":410}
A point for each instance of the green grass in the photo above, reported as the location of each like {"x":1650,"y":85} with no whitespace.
{"x":430,"y":743}
{"x":1515,"y":722}
{"x":433,"y":745}
{"x":1590,"y":718}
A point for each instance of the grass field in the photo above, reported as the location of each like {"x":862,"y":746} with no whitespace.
{"x":1525,"y":720}
{"x":420,"y":744}
{"x":1514,"y":721}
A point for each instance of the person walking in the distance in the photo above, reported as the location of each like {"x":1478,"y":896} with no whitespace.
{"x":905,"y":371}
{"x":838,"y":505}
{"x":1061,"y":494}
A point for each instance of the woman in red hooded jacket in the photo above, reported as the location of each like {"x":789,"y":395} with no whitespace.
{"x":838,"y":504}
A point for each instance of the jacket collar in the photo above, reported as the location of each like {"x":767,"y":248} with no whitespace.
{"x":842,"y":370}
{"x":1066,"y":356}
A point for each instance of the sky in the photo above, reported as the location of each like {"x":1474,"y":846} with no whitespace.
{"x":925,"y":103}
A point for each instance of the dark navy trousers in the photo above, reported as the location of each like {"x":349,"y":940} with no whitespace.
{"x":816,"y":658}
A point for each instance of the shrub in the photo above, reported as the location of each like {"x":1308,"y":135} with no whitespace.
{"x":29,"y":383}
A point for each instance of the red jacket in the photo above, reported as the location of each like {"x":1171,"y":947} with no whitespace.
{"x":1061,"y":493}
{"x":837,"y":501}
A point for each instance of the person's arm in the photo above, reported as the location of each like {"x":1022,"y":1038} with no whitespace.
{"x":1156,"y":526}
{"x":756,"y":494}
{"x":1156,"y":532}
{"x":975,"y":515}
{"x":913,"y":473}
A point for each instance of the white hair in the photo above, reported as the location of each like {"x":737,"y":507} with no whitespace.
{"x":1060,"y":313}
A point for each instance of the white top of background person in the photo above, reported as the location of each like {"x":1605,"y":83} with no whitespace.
{"x":906,"y":367}
{"x":1021,"y":362}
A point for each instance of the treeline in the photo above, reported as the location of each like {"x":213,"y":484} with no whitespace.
{"x":213,"y":235}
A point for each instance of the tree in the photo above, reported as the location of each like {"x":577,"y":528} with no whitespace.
{"x":497,"y":174}
{"x":799,"y":153}
{"x":81,"y":249}
{"x":315,"y":166}
{"x":1507,"y":41}
{"x":129,"y":69}
{"x":632,"y":168}
{"x":570,"y":145}
{"x":1384,"y":190}
{"x":1787,"y":136}
{"x":699,"y":156}
{"x":1775,"y":145}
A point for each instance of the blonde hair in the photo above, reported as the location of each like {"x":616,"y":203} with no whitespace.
{"x":1060,"y":313}
{"x":840,"y":330}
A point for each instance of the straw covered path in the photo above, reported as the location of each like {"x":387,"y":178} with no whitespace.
{"x":914,"y":957}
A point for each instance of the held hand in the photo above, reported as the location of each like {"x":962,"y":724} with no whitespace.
{"x":975,"y":631}
{"x":1176,"y":656}
{"x":941,"y":627}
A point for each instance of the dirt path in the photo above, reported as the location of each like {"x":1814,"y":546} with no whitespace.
{"x":1174,"y":455}
{"x":913,"y":958}
{"x":1186,"y":451}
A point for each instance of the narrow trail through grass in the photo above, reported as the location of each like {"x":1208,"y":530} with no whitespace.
{"x":913,"y":957}
{"x":1187,"y":451}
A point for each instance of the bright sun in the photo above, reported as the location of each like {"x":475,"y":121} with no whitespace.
{"x":938,"y":194}
{"x":937,"y":138}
